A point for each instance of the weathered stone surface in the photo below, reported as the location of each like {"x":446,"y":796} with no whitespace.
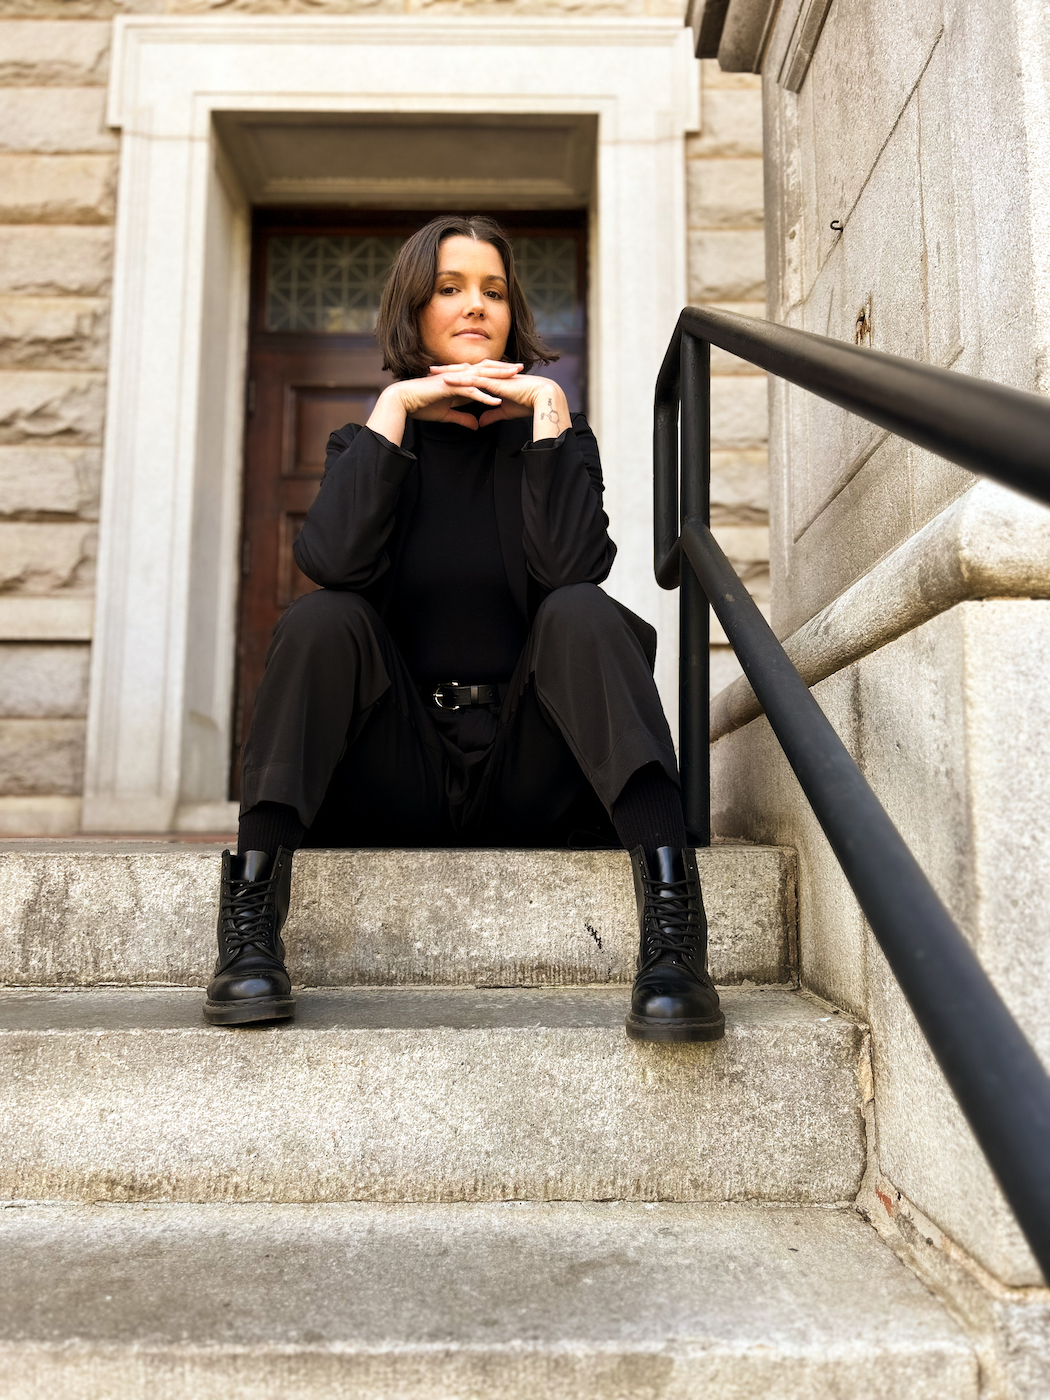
{"x":54,"y":617}
{"x":50,"y":480}
{"x":739,"y":411}
{"x":53,"y":332}
{"x":725,"y":193}
{"x":285,"y":7}
{"x":42,"y":260}
{"x":37,"y":404}
{"x":78,"y":9}
{"x":435,"y":1094}
{"x":441,"y":917}
{"x":41,"y":756}
{"x":37,"y":557}
{"x":726,"y":266}
{"x":43,"y":682}
{"x":39,"y":816}
{"x":54,"y":120}
{"x":739,"y":486}
{"x":567,"y":1301}
{"x":34,"y":52}
{"x":732,"y":124}
{"x":59,"y":189}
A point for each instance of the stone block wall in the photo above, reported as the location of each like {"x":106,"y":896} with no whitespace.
{"x":727,"y":269}
{"x":58,"y":167}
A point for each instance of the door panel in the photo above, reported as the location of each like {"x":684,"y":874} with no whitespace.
{"x":299,"y":396}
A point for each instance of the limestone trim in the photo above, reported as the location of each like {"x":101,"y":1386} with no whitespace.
{"x":990,"y":543}
{"x":162,"y":663}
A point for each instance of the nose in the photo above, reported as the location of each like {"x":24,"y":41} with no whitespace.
{"x":476,"y":303}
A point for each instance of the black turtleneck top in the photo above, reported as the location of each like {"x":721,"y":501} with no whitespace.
{"x":452,"y":613}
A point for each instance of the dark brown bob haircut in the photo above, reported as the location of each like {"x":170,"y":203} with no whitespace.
{"x":411,"y":285}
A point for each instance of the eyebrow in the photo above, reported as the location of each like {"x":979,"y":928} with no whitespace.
{"x":455,"y":272}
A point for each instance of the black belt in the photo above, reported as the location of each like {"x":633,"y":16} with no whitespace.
{"x":450,"y":695}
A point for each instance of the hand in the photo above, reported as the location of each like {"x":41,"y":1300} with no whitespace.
{"x":431,"y":398}
{"x":519,"y":394}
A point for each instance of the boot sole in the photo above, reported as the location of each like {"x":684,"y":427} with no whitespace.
{"x":660,"y":1029}
{"x":240,"y":1013}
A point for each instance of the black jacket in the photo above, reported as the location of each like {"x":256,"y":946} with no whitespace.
{"x":552,"y":528}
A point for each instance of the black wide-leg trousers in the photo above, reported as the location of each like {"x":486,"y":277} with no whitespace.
{"x":342,"y":734}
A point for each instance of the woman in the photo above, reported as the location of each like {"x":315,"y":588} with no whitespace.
{"x":460,"y":678}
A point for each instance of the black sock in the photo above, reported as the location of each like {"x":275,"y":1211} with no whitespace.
{"x":267,"y":826}
{"x":648,"y":812}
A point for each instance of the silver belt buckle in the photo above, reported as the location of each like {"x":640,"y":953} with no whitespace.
{"x":438,"y":701}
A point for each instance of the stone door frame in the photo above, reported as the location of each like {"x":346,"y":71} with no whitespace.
{"x":163,"y":659}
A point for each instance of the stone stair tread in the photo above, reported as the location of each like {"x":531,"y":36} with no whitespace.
{"x":464,"y":1301}
{"x":80,"y":913}
{"x":391,"y":1008}
{"x":425,"y":1094}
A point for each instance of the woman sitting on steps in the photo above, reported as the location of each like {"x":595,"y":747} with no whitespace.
{"x":460,"y":678}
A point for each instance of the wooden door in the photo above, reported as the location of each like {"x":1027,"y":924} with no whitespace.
{"x":314,"y":366}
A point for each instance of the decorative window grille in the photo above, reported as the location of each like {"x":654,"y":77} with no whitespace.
{"x":547,"y":272}
{"x":330,"y":283}
{"x":333,"y":283}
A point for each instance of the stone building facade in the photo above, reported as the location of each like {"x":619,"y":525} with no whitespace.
{"x":907,"y":154}
{"x":67,"y":125}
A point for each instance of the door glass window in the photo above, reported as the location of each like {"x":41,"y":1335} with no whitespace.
{"x":328,"y":284}
{"x":333,"y":283}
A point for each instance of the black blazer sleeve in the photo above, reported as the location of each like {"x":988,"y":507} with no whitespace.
{"x":343,"y":540}
{"x":566,"y":534}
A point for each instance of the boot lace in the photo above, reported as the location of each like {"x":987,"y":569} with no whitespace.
{"x":671,"y":919}
{"x":248,"y":916}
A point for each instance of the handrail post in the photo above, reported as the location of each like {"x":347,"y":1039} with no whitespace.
{"x":694,"y":666}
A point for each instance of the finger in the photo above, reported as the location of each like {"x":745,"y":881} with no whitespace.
{"x":445,"y":369}
{"x":465,"y":420}
{"x":494,"y":415}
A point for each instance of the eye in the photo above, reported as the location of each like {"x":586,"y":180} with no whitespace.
{"x":495,"y":295}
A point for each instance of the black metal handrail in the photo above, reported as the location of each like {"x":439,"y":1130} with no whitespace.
{"x":991,"y":1068}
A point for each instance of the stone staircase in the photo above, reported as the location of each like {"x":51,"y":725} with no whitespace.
{"x":452,"y":1175}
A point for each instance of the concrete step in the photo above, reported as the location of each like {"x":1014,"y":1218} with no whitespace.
{"x":87,"y":913}
{"x":423,"y":1095}
{"x":466,"y":1302}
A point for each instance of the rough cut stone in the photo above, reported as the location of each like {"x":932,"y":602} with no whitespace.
{"x":78,"y":9}
{"x":739,"y":411}
{"x":726,"y":265}
{"x":725,"y":193}
{"x":561,"y":1300}
{"x":53,"y":332}
{"x":739,"y":486}
{"x":36,"y":557}
{"x":34,"y":52}
{"x":45,"y":189}
{"x":424,"y":1094}
{"x":42,"y":260}
{"x":499,"y":918}
{"x":731,"y":124}
{"x":41,"y":756}
{"x":38,"y":404}
{"x":55,"y":480}
{"x":39,"y":816}
{"x":43,"y":682}
{"x":54,"y":120}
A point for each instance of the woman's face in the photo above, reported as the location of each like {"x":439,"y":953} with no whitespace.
{"x":467,"y":319}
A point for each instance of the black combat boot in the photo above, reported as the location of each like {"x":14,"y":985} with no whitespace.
{"x":673,"y":996}
{"x":250,"y":982}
